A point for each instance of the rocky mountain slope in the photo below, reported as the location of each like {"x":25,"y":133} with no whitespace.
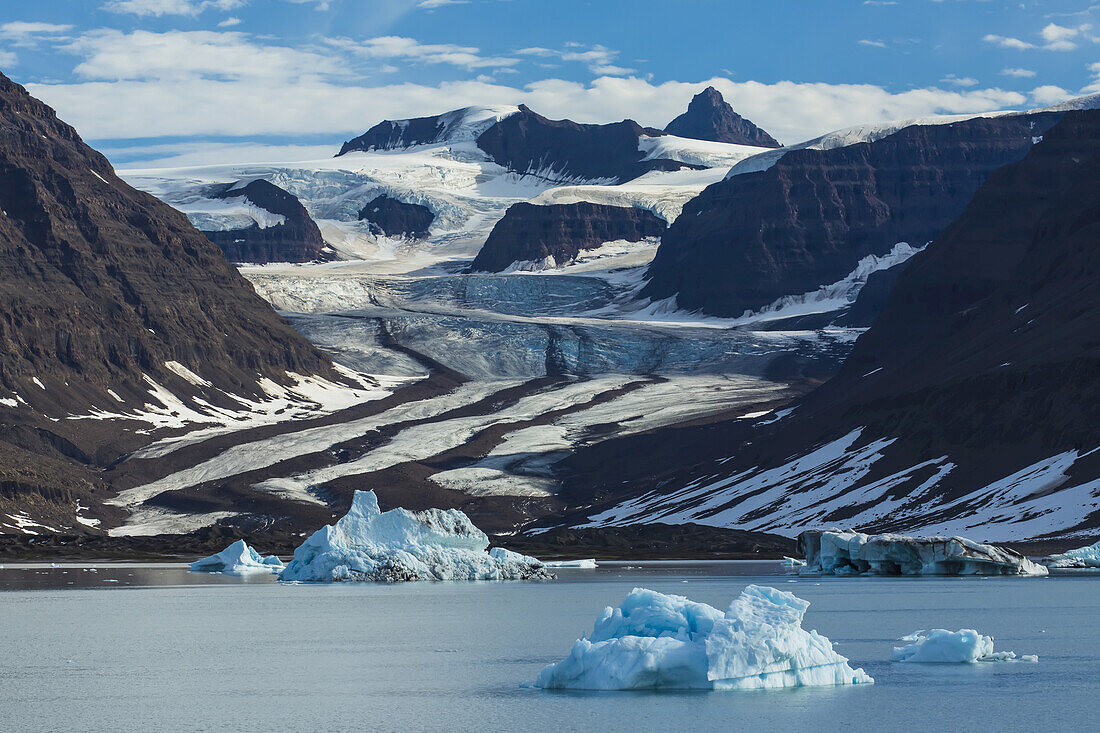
{"x":533,"y":233}
{"x":393,"y":218}
{"x":710,"y":117}
{"x":968,"y":407}
{"x":112,"y":303}
{"x":290,"y":236}
{"x":810,"y":215}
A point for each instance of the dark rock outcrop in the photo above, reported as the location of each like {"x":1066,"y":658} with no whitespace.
{"x":710,"y":117}
{"x":563,"y":150}
{"x":806,"y":221}
{"x":529,"y":232}
{"x":985,"y":362}
{"x":872,"y":297}
{"x":464,"y":124}
{"x":100,"y":286}
{"x":296,"y":239}
{"x":395,"y":218}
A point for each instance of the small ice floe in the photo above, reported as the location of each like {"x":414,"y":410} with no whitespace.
{"x":368,"y":544}
{"x":793,"y":563}
{"x":237,"y":559}
{"x":658,"y":641}
{"x":1082,"y":557}
{"x":965,"y":646}
{"x":589,"y":564}
{"x":853,"y":553}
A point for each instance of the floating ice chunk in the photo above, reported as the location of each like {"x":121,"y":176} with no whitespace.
{"x":793,"y":562}
{"x":1082,"y":557}
{"x":370,"y":545}
{"x":852,"y":553}
{"x":589,"y":564}
{"x":237,"y":559}
{"x":940,"y":646}
{"x":658,"y":641}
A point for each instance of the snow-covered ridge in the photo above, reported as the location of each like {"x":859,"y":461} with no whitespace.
{"x":658,"y":641}
{"x":871,"y":132}
{"x":829,"y":298}
{"x":706,"y":153}
{"x":458,"y":125}
{"x":368,"y":544}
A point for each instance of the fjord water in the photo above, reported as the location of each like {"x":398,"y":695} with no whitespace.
{"x":162,"y":649}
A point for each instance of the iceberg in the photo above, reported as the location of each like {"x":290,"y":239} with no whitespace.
{"x":1082,"y":557}
{"x":853,"y":553}
{"x":237,"y":559}
{"x":588,"y":564}
{"x":658,"y":641}
{"x":368,"y":544}
{"x":940,"y":646}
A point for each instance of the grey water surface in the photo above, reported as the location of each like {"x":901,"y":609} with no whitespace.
{"x":155,"y":648}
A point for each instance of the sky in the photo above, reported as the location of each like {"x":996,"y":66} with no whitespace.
{"x":185,"y":82}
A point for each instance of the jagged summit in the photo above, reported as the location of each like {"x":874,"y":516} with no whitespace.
{"x":459,"y":125}
{"x":710,"y":117}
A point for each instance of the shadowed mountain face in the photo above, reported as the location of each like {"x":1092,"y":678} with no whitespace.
{"x":970,"y":401}
{"x":100,"y":286}
{"x":296,"y":239}
{"x":395,"y":218}
{"x":710,"y":117}
{"x":531,"y":233}
{"x":563,"y":150}
{"x":808,"y":220}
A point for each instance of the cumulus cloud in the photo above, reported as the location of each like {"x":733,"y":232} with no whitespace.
{"x":1007,"y":42}
{"x":960,"y":81}
{"x":1053,"y":37}
{"x":158,"y":8}
{"x":23,"y":33}
{"x":1018,"y":73}
{"x":274,"y":105}
{"x":1049,"y":94}
{"x":600,"y":60}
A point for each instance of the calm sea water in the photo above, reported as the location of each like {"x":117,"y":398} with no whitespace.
{"x":165,"y":650}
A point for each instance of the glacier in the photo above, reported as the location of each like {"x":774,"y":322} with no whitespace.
{"x":658,"y":641}
{"x":940,"y":646}
{"x":368,"y":544}
{"x":854,"y":553}
{"x":237,"y":559}
{"x":1082,"y":557}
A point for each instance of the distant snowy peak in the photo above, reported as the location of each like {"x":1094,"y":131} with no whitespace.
{"x":710,"y":117}
{"x":460,"y":125}
{"x":871,"y":132}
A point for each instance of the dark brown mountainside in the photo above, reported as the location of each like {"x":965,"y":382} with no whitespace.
{"x":529,"y":232}
{"x":100,"y":286}
{"x":971,"y":403}
{"x":296,"y":239}
{"x":710,"y":117}
{"x":807,"y":220}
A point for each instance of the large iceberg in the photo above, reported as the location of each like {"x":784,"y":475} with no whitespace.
{"x":1082,"y":557}
{"x":854,"y":553}
{"x":658,"y":641}
{"x":940,"y":646}
{"x":237,"y":559}
{"x":435,"y":544}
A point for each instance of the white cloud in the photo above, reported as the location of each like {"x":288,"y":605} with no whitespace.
{"x":399,"y":47}
{"x":23,"y":33}
{"x":1049,"y":94}
{"x":178,"y":155}
{"x":599,"y":59}
{"x":8,"y":59}
{"x":188,"y":55}
{"x":229,"y":22}
{"x":960,"y":81}
{"x":1094,"y":69}
{"x":869,"y":42}
{"x":1018,"y":73}
{"x":274,"y":105}
{"x":1007,"y":42}
{"x":158,"y":8}
{"x":431,"y":4}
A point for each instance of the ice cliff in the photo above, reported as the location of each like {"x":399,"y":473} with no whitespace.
{"x":368,"y":544}
{"x":854,"y":553}
{"x":1082,"y":557}
{"x":657,"y":641}
{"x":944,"y":647}
{"x":237,"y":559}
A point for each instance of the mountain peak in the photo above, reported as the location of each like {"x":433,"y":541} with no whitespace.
{"x":710,"y":117}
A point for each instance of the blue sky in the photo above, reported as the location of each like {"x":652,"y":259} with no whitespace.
{"x":187,"y":81}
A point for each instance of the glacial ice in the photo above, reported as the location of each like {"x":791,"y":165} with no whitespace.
{"x":853,"y":553}
{"x":587,"y":564}
{"x":940,"y":646}
{"x":435,"y":544}
{"x":658,"y":641}
{"x":237,"y":559}
{"x":1082,"y":557}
